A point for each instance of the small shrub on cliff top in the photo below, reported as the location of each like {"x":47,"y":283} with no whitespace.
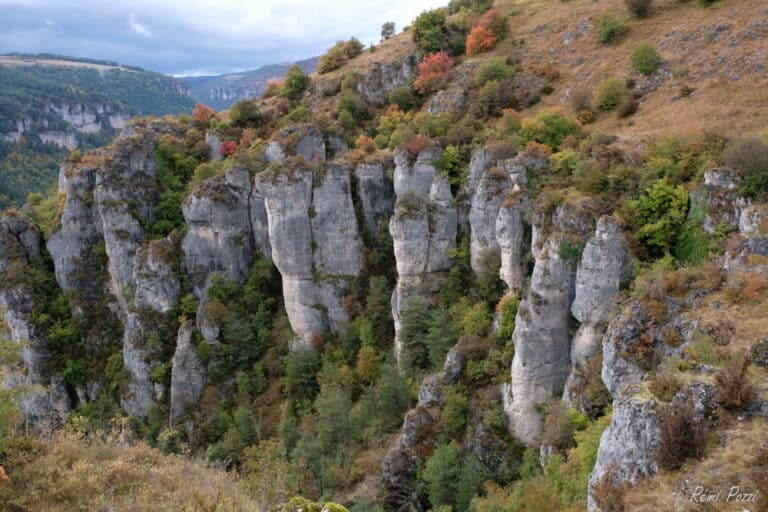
{"x":403,"y":97}
{"x":645,"y":58}
{"x":750,"y":158}
{"x":428,"y":30}
{"x":433,"y":73}
{"x":202,"y":114}
{"x":661,"y":210}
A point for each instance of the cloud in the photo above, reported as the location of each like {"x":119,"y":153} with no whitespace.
{"x":212,"y":35}
{"x":138,"y":28}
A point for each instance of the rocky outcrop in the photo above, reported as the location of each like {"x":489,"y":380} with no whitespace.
{"x":423,"y":231}
{"x":375,"y":85}
{"x":542,"y":342}
{"x":157,"y":293}
{"x":219,"y":238}
{"x":375,"y":193}
{"x":489,"y":194}
{"x":605,"y":265}
{"x":315,"y":241}
{"x":42,"y":398}
{"x":187,"y":374}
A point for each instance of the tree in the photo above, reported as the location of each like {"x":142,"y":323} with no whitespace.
{"x":296,"y":82}
{"x":367,"y":365}
{"x":441,"y":336}
{"x":246,"y":114}
{"x":639,"y":8}
{"x":392,"y":396}
{"x":433,"y":73}
{"x":645,"y":58}
{"x":428,"y":30}
{"x":387,"y":30}
{"x":480,"y":40}
{"x":379,"y":310}
{"x":202,"y":114}
{"x":414,"y":327}
{"x":228,"y":147}
{"x":441,"y":475}
{"x":661,"y":211}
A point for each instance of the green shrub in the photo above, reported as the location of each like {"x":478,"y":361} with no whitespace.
{"x":645,"y":58}
{"x":441,"y":336}
{"x":662,"y":212}
{"x":494,"y":69}
{"x":508,"y":308}
{"x":610,"y":93}
{"x":403,"y":96}
{"x":453,"y":415}
{"x":610,"y":28}
{"x":428,"y":30}
{"x":299,"y":114}
{"x":549,"y":127}
{"x":296,"y":82}
{"x":627,"y":107}
{"x":246,"y":114}
{"x":706,"y":3}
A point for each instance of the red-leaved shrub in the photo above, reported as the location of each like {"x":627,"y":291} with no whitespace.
{"x":433,"y":73}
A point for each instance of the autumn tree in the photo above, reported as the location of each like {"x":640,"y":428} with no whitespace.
{"x":228,"y":147}
{"x":480,"y":40}
{"x":202,"y":114}
{"x":433,"y":73}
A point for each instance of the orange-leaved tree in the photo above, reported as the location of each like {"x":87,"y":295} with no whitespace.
{"x":228,"y":147}
{"x":480,"y":40}
{"x":486,"y":32}
{"x":202,"y":114}
{"x":433,"y":73}
{"x":3,"y":477}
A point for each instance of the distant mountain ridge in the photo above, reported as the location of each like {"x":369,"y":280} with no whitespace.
{"x":51,"y":104}
{"x":222,"y":91}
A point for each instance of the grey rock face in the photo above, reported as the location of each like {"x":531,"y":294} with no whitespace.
{"x":157,"y":291}
{"x":423,"y":231}
{"x":753,"y":220}
{"x":415,"y":177}
{"x":489,"y":195}
{"x":375,"y":85}
{"x":43,"y":401}
{"x":452,"y":100}
{"x":214,"y":153}
{"x":187,"y":374}
{"x":376,"y":194}
{"x":542,"y":343}
{"x":721,"y":200}
{"x":629,"y":445}
{"x":219,"y":229}
{"x":430,"y":391}
{"x":315,"y":243}
{"x":605,"y":265}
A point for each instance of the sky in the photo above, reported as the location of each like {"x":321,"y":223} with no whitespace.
{"x":195,"y":37}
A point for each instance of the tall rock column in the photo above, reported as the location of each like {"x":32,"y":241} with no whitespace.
{"x":423,"y":231}
{"x":605,"y":265}
{"x":542,"y":342}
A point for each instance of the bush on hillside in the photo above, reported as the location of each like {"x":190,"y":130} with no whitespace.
{"x":480,"y":40}
{"x":428,"y":30}
{"x":609,"y":93}
{"x":661,"y":214}
{"x":681,"y":436}
{"x":494,"y":69}
{"x":403,"y":97}
{"x":296,"y":82}
{"x":610,"y":28}
{"x":246,"y":114}
{"x":645,"y":58}
{"x":640,"y":8}
{"x":434,"y":71}
{"x":549,"y":127}
{"x":338,"y":54}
